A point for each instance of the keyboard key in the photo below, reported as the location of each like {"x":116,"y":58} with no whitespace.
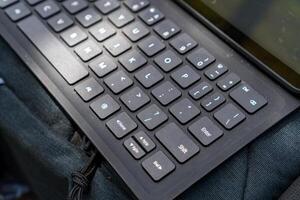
{"x":132,"y":60}
{"x":135,"y":31}
{"x":121,"y":17}
{"x":118,"y":82}
{"x":73,"y":36}
{"x":74,"y":6}
{"x":215,"y":71}
{"x":17,"y":12}
{"x":151,"y":16}
{"x":105,"y":106}
{"x":185,"y":76}
{"x":107,"y":6}
{"x":102,"y":31}
{"x":143,"y":139}
{"x":152,"y":117}
{"x":6,"y":3}
{"x":184,"y":111}
{"x":248,"y":98}
{"x":205,"y":131}
{"x":33,"y":2}
{"x":88,"y":17}
{"x":55,"y":52}
{"x":183,"y":43}
{"x":228,"y":82}
{"x":135,"y":150}
{"x":135,"y":99}
{"x":60,"y":22}
{"x":102,"y":66}
{"x":117,"y":45}
{"x":149,"y":76}
{"x":177,"y":142}
{"x":168,"y":61}
{"x":229,"y":116}
{"x":151,"y":45}
{"x":166,"y":29}
{"x":88,"y":50}
{"x":166,"y":93}
{"x":47,"y":9}
{"x":136,"y":5}
{"x":213,"y":101}
{"x":89,"y":89}
{"x":121,"y":125}
{"x":200,"y":58}
{"x":200,"y":90}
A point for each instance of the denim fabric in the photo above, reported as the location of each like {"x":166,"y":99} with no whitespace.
{"x":38,"y":134}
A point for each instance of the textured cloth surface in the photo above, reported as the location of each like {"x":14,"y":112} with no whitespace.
{"x":37,"y":132}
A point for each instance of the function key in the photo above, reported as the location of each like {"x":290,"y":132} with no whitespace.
{"x":166,"y":93}
{"x":185,"y":76}
{"x":132,"y":60}
{"x":60,"y":22}
{"x":229,"y":81}
{"x":6,"y":3}
{"x":248,"y":98}
{"x":184,"y":111}
{"x":149,"y":76}
{"x":121,"y":125}
{"x":135,"y":99}
{"x":201,"y":58}
{"x":33,"y":2}
{"x":216,"y":71}
{"x":17,"y":12}
{"x":152,"y":117}
{"x":166,"y":29}
{"x":73,"y":36}
{"x":136,"y":5}
{"x":151,"y":45}
{"x":205,"y":131}
{"x":118,"y":81}
{"x":88,"y":50}
{"x":102,"y":31}
{"x":74,"y":6}
{"x":213,"y":101}
{"x":144,"y":140}
{"x":121,"y":17}
{"x":168,"y":61}
{"x":105,"y":106}
{"x":158,"y":166}
{"x":107,"y":6}
{"x":88,"y":17}
{"x":183,"y":43}
{"x":200,"y":90}
{"x":47,"y":9}
{"x":136,"y":151}
{"x":151,"y":16}
{"x":117,"y":45}
{"x":102,"y":66}
{"x":135,"y":31}
{"x":89,"y":89}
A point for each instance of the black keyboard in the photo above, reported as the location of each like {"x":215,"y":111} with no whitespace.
{"x":164,"y":97}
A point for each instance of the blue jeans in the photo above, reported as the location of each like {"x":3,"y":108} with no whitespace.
{"x":38,"y":135}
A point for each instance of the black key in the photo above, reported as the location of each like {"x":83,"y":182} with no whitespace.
{"x":229,"y":116}
{"x":88,"y":17}
{"x":135,"y":99}
{"x":17,"y":12}
{"x":89,"y":89}
{"x":60,"y":58}
{"x":107,"y":6}
{"x":200,"y":90}
{"x":47,"y":9}
{"x":149,"y":76}
{"x":151,"y":45}
{"x":105,"y":106}
{"x":121,"y":125}
{"x":248,"y":98}
{"x":117,"y":45}
{"x":135,"y":150}
{"x":216,"y":71}
{"x":73,"y":36}
{"x":177,"y":142}
{"x":143,"y":139}
{"x":166,"y":93}
{"x":121,"y":17}
{"x":118,"y":82}
{"x":136,"y":5}
{"x":6,"y":3}
{"x":200,"y":58}
{"x":205,"y":131}
{"x":60,"y":22}
{"x":152,"y":117}
{"x":168,"y":61}
{"x":158,"y":166}
{"x":33,"y":2}
{"x":213,"y":101}
{"x":135,"y":31}
{"x":166,"y":29}
{"x":102,"y":31}
{"x":132,"y":60}
{"x":102,"y":66}
{"x":228,"y":82}
{"x":183,"y":43}
{"x":88,"y":50}
{"x":184,"y":111}
{"x":151,"y":16}
{"x":74,"y":6}
{"x":185,"y":76}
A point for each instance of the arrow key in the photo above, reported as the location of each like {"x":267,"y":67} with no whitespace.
{"x":143,"y":139}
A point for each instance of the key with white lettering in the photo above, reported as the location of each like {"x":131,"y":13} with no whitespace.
{"x":121,"y":125}
{"x":144,"y":140}
{"x":136,"y":151}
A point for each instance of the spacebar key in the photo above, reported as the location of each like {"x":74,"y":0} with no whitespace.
{"x":61,"y":59}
